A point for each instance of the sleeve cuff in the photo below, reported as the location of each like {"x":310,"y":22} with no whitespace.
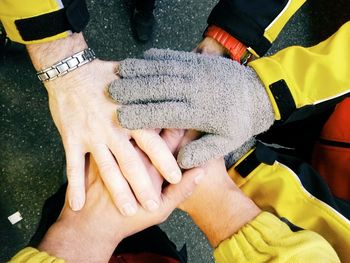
{"x":43,"y":21}
{"x":32,"y":255}
{"x":271,"y":72}
{"x":268,"y":239}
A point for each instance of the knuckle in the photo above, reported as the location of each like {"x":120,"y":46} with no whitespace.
{"x":143,"y":194}
{"x":175,"y":133}
{"x":75,"y":180}
{"x":72,"y":173}
{"x":153,"y":144}
{"x":105,"y":167}
{"x":120,"y":197}
{"x":130,"y":164}
{"x":142,"y":136}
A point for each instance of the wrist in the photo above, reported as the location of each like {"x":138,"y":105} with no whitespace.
{"x":234,"y":48}
{"x":45,"y":54}
{"x":209,"y":45}
{"x":235,"y":210}
{"x":74,"y":244}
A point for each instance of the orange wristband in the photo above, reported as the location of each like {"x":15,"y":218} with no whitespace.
{"x":236,"y":49}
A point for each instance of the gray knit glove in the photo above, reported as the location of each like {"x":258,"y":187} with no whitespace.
{"x":175,"y":89}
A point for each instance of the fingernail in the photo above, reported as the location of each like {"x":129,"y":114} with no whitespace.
{"x":175,"y":177}
{"x":76,"y":204}
{"x":128,"y":210}
{"x":152,"y":205}
{"x":198,"y":178}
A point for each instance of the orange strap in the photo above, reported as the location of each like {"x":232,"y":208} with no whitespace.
{"x":237,"y":50}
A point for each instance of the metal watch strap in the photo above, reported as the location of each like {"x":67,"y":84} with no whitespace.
{"x":66,"y":65}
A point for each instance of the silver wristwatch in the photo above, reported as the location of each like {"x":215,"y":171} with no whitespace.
{"x":66,"y":65}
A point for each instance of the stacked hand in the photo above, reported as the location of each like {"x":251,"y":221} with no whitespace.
{"x":173,"y":89}
{"x":92,"y":234}
{"x":85,"y":118}
{"x":217,"y":195}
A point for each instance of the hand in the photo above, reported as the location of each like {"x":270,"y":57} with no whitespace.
{"x":85,"y":118}
{"x":210,"y":46}
{"x":218,"y":206}
{"x":172,"y":89}
{"x":91,"y":235}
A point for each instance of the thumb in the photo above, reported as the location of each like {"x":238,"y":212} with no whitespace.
{"x":207,"y":147}
{"x":174,"y":194}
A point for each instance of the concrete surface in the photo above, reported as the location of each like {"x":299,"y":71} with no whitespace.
{"x":31,"y":156}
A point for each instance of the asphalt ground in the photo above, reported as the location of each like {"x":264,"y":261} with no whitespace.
{"x":31,"y":153}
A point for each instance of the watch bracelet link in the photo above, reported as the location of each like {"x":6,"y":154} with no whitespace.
{"x":66,"y":65}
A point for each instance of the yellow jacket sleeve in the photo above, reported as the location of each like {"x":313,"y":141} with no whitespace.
{"x":32,"y":255}
{"x":310,"y":75}
{"x":33,"y":21}
{"x":268,"y":239}
{"x":255,"y":23}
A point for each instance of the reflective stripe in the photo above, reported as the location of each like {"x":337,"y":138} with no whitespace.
{"x":279,"y":15}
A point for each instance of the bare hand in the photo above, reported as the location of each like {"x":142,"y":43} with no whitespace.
{"x":91,"y":235}
{"x":218,"y":206}
{"x":85,"y":118}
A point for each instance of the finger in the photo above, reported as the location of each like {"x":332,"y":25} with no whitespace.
{"x":135,"y":172}
{"x":140,"y":90}
{"x":116,"y":184}
{"x":205,"y":148}
{"x":172,"y":137}
{"x":131,"y":68}
{"x":155,"y":176}
{"x":189,"y":136}
{"x":156,"y":115}
{"x":75,"y":176}
{"x":158,"y":152}
{"x":173,"y":195}
{"x":168,"y":54}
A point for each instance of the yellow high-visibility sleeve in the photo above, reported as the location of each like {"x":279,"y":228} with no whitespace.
{"x":268,"y":239}
{"x":32,"y":255}
{"x":313,"y":75}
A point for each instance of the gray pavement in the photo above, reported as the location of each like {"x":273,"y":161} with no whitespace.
{"x":32,"y":157}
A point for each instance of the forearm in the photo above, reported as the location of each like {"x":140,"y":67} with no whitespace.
{"x":63,"y":244}
{"x":77,"y":244}
{"x":303,"y":78}
{"x":254,"y":24}
{"x":32,"y":21}
{"x":45,"y":54}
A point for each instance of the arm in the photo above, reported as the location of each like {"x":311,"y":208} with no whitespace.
{"x":30,"y":22}
{"x":240,"y":232}
{"x":252,"y":24}
{"x":301,"y":80}
{"x":92,"y":234}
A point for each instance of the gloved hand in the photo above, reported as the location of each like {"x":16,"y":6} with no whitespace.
{"x":175,"y":89}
